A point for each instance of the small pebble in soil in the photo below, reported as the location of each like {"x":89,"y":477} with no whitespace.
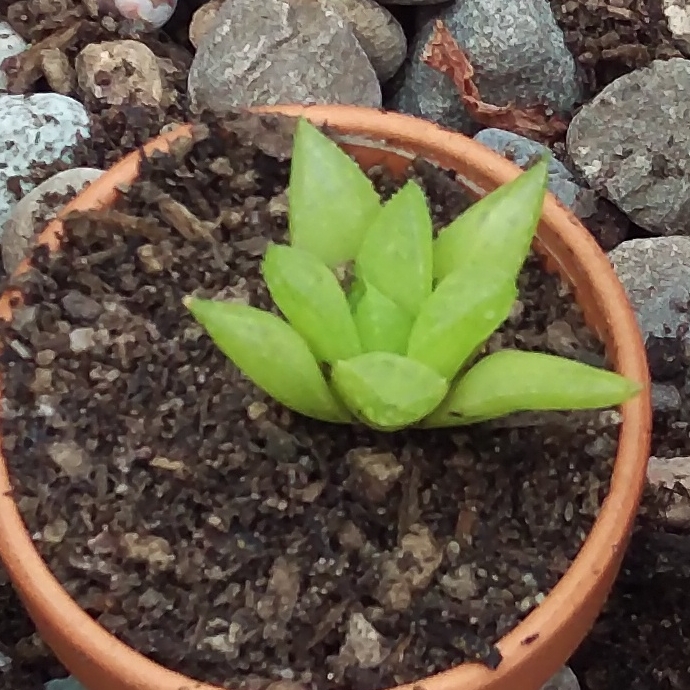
{"x":39,"y":204}
{"x":672,"y":474}
{"x":5,"y":662}
{"x":42,"y":128}
{"x":120,"y":72}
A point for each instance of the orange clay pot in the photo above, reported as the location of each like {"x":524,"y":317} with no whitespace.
{"x":539,"y":645}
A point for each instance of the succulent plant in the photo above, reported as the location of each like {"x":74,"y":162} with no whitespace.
{"x":397,"y":347}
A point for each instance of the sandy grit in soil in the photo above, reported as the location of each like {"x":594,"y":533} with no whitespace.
{"x":236,"y":542}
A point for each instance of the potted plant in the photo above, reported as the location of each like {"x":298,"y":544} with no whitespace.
{"x":433,"y":383}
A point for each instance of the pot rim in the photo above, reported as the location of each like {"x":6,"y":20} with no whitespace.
{"x":530,"y":651}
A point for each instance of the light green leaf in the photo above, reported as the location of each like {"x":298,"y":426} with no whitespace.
{"x":460,"y":315}
{"x":396,"y":256}
{"x":269,"y":352}
{"x":388,"y":391}
{"x":513,"y":381}
{"x":383,"y":326}
{"x":497,"y":230}
{"x":310,"y":297}
{"x":331,"y":201}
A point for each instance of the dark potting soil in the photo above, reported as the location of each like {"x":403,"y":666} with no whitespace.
{"x":228,"y":538}
{"x":609,"y":39}
{"x":25,"y":662}
{"x":641,"y":639}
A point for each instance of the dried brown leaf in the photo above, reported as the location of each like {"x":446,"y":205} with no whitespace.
{"x":442,"y":53}
{"x":57,"y":70}
{"x":25,"y":69}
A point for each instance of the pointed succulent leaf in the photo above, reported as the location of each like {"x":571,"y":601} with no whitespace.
{"x":388,"y":391}
{"x":459,"y":316}
{"x":331,"y":201}
{"x":311,"y":299}
{"x":513,"y":381}
{"x":497,"y":230}
{"x":396,"y":256}
{"x":268,"y":351}
{"x":382,"y":325}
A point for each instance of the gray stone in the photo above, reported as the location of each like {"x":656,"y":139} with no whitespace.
{"x":632,"y":141}
{"x":412,"y":2}
{"x":522,"y":150}
{"x":666,"y":397}
{"x":667,"y":473}
{"x":377,"y":31}
{"x":69,"y":683}
{"x":293,"y":51}
{"x":202,"y":21}
{"x":134,"y":73}
{"x":565,"y":679}
{"x":518,"y":54}
{"x":19,"y":229}
{"x":656,"y":276}
{"x":677,"y":14}
{"x":11,"y":44}
{"x":42,"y":128}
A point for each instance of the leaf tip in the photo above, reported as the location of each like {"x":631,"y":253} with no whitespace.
{"x":541,"y":168}
{"x":634,"y":388}
{"x":306,"y":134}
{"x":303,"y":125}
{"x":188,"y":301}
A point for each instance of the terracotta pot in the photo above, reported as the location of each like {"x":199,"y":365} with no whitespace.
{"x":538,"y":647}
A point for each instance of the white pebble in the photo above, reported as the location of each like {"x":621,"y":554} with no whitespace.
{"x":42,"y":128}
{"x":11,"y":44}
{"x":16,"y":235}
{"x":141,"y":15}
{"x":81,"y":339}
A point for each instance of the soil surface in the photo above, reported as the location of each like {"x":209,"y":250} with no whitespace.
{"x":228,"y":538}
{"x":611,"y":38}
